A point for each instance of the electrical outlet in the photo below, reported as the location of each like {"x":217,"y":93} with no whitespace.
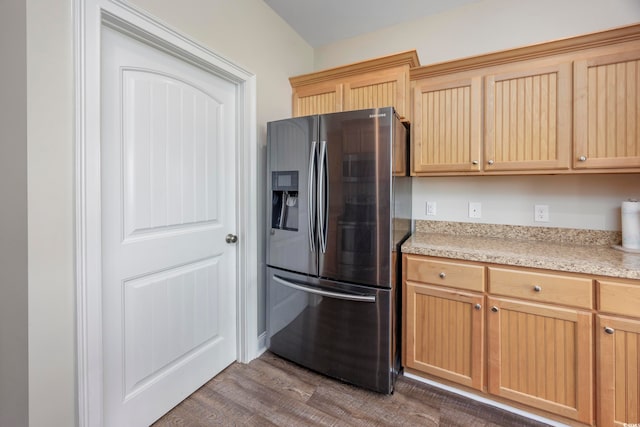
{"x":431,"y":208}
{"x":541,"y":213}
{"x":475,"y":210}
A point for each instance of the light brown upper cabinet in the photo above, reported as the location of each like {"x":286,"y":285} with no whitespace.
{"x":447,"y":125}
{"x":528,"y":118}
{"x":498,"y":119}
{"x":567,"y":106}
{"x":607,"y":110}
{"x":380,"y":82}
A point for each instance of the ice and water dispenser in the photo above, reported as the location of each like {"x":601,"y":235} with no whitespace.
{"x":284,"y":200}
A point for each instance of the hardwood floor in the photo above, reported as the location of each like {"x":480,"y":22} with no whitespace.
{"x":271,"y":391}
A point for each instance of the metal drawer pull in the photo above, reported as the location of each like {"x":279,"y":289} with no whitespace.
{"x":537,"y":288}
{"x":475,"y":162}
{"x":442,"y":275}
{"x":477,"y":306}
{"x":609,"y":330}
{"x":490,"y":162}
{"x":494,"y":309}
{"x":582,"y":158}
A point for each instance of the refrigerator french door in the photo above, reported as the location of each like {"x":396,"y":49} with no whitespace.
{"x":340,"y":209}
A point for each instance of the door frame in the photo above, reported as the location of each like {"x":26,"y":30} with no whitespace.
{"x":89,"y":18}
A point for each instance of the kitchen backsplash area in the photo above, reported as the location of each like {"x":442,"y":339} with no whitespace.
{"x":570,"y":236}
{"x":570,"y":201}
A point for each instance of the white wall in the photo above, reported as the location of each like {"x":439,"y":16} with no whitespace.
{"x":482,"y":27}
{"x":488,"y":26}
{"x":50,"y":159}
{"x":14,"y":378}
{"x":574,"y":201}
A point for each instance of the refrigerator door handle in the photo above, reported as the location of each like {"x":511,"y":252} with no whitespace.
{"x":339,"y":295}
{"x":311,"y":194}
{"x":323,"y":196}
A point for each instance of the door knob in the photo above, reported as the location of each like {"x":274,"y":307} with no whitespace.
{"x":231,"y":238}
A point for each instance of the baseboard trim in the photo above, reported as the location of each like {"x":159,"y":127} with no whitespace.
{"x":486,"y":401}
{"x":262,"y":344}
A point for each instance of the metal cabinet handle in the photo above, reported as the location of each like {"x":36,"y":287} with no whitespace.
{"x":475,"y":162}
{"x":494,"y":309}
{"x":477,"y":306}
{"x":537,"y":288}
{"x":609,"y":330}
{"x":490,"y":162}
{"x":442,"y":275}
{"x":582,"y":158}
{"x":231,"y":238}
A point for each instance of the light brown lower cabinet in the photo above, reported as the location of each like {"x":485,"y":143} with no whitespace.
{"x":542,"y":356}
{"x":618,"y":367}
{"x":527,"y":337}
{"x":445,"y":333}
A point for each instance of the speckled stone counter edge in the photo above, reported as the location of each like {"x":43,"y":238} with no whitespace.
{"x":522,"y":232}
{"x":569,"y":250}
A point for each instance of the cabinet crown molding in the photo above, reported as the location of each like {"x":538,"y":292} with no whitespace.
{"x":409,"y":58}
{"x":566,"y":45}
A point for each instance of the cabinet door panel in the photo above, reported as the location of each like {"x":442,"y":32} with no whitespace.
{"x":444,"y":335}
{"x":317,"y":99}
{"x":528,"y":119}
{"x":447,"y":123}
{"x":607,"y":111}
{"x":376,"y":90}
{"x":618,"y":371}
{"x":541,"y":356}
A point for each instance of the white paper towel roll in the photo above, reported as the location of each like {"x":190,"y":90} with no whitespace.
{"x":631,"y":224}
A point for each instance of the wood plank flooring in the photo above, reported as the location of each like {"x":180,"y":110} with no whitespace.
{"x":271,"y":391}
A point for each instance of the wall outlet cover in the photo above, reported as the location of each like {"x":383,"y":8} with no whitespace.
{"x":475,"y":210}
{"x":541,"y":213}
{"x":431,"y":208}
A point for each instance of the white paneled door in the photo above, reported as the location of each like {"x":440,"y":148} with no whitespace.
{"x":168,"y":202}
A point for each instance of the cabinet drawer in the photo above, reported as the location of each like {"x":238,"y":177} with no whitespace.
{"x":543,"y":287}
{"x":453,"y":274}
{"x":619,"y":298}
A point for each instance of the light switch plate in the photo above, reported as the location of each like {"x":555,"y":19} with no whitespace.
{"x":431,"y":208}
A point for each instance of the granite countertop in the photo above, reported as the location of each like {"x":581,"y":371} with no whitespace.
{"x":570,"y":250}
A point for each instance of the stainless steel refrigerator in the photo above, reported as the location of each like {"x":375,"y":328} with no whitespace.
{"x":340,"y":209}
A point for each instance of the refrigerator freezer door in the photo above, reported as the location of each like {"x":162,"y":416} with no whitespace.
{"x":291,"y":220}
{"x":359,"y":195}
{"x":341,"y":330}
